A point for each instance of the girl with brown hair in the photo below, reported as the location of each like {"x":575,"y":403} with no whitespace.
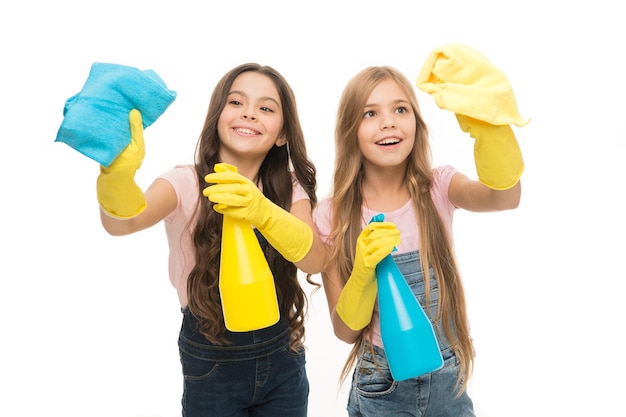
{"x":252,"y":123}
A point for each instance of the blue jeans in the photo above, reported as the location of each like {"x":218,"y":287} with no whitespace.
{"x":374,"y":393}
{"x":256,"y":376}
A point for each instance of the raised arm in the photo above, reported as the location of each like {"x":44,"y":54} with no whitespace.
{"x":475,"y":196}
{"x":462,"y":80}
{"x":124,"y":207}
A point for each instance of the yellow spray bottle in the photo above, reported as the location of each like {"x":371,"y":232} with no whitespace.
{"x":246,"y":283}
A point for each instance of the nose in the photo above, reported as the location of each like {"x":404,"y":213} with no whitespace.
{"x":387,"y":121}
{"x":249,"y":114}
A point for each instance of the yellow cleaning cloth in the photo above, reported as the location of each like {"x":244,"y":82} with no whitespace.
{"x":462,"y":80}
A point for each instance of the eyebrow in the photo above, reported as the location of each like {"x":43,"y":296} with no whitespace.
{"x":397,"y":101}
{"x":261,"y":98}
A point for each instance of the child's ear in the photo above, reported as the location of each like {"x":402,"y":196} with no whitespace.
{"x":281,"y":141}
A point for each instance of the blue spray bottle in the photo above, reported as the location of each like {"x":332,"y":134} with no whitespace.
{"x":408,"y":337}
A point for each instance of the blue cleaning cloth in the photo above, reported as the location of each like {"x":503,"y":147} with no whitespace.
{"x":95,"y":121}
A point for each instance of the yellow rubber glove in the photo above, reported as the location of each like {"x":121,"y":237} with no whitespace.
{"x":237,"y":196}
{"x":357,"y":299}
{"x":118,"y":194}
{"x":497,"y":155}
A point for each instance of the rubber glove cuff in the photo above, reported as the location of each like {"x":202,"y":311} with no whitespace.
{"x":497,"y":154}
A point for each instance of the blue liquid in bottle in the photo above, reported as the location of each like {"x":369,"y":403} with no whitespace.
{"x":408,"y":336}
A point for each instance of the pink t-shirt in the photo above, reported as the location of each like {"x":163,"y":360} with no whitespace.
{"x":179,"y":225}
{"x":404,"y":218}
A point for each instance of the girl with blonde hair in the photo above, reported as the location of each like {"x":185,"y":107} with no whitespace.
{"x":382,"y":165}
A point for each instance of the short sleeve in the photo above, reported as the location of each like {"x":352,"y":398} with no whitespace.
{"x":442,"y":178}
{"x":322,"y":219}
{"x":298,"y":193}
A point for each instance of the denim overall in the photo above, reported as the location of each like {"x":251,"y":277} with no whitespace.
{"x":257,"y":375}
{"x":374,"y":393}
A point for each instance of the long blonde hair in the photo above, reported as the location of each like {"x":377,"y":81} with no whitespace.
{"x":435,"y":247}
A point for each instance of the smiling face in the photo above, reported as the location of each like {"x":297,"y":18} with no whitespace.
{"x":387,"y":131}
{"x":251,"y":122}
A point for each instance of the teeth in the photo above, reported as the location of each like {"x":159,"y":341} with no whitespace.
{"x":246,"y":131}
{"x":389,"y":141}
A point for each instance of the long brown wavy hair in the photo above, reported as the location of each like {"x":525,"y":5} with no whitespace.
{"x":436,"y":251}
{"x":274,"y":174}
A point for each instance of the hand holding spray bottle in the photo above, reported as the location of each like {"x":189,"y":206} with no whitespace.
{"x":408,"y":337}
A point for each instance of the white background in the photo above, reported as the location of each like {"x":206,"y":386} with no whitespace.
{"x":89,"y":322}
